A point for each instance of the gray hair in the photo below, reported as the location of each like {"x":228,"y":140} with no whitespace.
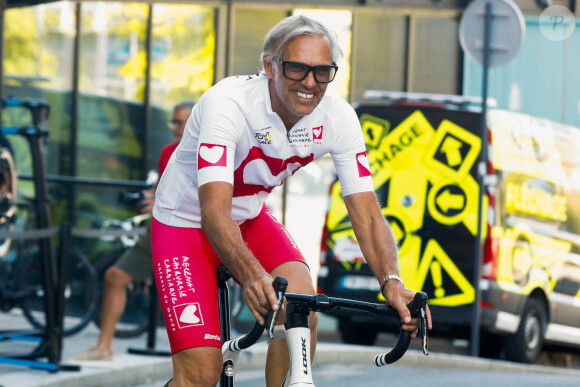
{"x":184,"y":105}
{"x":293,"y":27}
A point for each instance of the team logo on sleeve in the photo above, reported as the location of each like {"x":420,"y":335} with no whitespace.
{"x":188,"y":315}
{"x":317,"y":133}
{"x":362,"y":163}
{"x":211,"y":155}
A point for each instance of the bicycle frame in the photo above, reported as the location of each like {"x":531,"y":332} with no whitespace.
{"x":297,"y":333}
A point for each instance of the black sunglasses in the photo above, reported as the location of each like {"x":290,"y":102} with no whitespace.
{"x":297,"y":71}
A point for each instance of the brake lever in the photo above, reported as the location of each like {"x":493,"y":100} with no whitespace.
{"x":280,"y":284}
{"x":418,"y":309}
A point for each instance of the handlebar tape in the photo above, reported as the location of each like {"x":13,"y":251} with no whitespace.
{"x":419,"y":302}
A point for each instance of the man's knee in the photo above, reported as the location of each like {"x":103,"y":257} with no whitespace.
{"x":118,"y":277}
{"x":298,"y":276}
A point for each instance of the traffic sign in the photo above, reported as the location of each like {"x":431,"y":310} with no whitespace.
{"x":507,"y":31}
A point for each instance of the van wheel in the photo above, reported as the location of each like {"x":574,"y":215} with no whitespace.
{"x":360,"y":334}
{"x":525,"y":345}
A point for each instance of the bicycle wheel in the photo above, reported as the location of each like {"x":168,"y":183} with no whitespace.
{"x":135,"y":318}
{"x":8,"y":189}
{"x":80,"y":291}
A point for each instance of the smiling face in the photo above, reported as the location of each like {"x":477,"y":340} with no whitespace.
{"x":294,"y":99}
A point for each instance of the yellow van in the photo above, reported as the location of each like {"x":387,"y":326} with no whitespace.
{"x":423,"y":151}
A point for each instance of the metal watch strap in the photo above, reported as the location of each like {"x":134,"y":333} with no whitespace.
{"x":390,"y":277}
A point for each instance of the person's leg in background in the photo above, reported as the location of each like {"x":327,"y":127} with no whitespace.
{"x":133,"y":265}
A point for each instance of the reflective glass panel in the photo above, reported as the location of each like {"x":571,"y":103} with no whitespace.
{"x":183,"y":53}
{"x":112,"y":83}
{"x":37,"y":64}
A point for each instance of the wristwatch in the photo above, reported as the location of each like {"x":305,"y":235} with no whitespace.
{"x":390,"y":277}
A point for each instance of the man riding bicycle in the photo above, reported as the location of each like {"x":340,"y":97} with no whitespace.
{"x":244,"y":137}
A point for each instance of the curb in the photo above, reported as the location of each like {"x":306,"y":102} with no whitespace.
{"x":130,"y":369}
{"x":416,"y":359}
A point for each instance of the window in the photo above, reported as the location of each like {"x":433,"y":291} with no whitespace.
{"x":251,"y":25}
{"x":38,"y":62}
{"x":434,"y":55}
{"x":380,"y":53}
{"x":183,"y":53}
{"x":112,"y":84}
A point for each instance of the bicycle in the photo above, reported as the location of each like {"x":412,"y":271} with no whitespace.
{"x":297,"y":333}
{"x":8,"y":191}
{"x":80,"y":291}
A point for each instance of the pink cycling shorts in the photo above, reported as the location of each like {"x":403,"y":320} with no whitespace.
{"x":185,"y":265}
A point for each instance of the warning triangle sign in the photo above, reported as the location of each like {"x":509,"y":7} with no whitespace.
{"x":434,"y":267}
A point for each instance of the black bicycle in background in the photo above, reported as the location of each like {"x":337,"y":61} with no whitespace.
{"x":23,"y":258}
{"x":81,"y":289}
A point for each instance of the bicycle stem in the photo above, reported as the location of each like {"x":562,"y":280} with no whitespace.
{"x":298,"y":339}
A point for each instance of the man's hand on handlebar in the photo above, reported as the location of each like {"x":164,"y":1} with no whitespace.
{"x":260,"y":296}
{"x":399,"y":297}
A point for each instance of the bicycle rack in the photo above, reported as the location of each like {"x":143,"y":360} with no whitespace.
{"x":49,"y":340}
{"x":54,"y":284}
{"x":54,"y":272}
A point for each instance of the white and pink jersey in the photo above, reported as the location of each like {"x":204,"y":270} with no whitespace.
{"x":234,"y":136}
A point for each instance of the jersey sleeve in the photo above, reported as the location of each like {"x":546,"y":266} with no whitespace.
{"x":349,"y":153}
{"x":220,"y":119}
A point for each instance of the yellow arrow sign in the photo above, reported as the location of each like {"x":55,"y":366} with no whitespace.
{"x":451,"y":148}
{"x":448,"y":200}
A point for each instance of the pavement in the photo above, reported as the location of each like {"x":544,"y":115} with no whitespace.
{"x":128,"y":369}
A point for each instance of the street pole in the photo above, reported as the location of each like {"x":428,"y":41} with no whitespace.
{"x":481,"y":173}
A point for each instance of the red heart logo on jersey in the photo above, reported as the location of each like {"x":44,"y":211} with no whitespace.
{"x":363,"y":164}
{"x":212,"y":155}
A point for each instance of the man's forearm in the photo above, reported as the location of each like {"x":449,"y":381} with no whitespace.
{"x":224,"y":233}
{"x":226,"y":239}
{"x":379,"y":247}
